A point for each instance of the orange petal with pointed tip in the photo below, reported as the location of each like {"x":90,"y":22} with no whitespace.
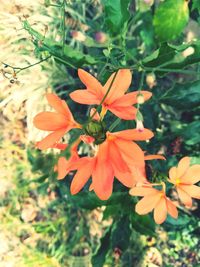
{"x":84,"y":97}
{"x":131,"y":98}
{"x":134,"y":134}
{"x":160,"y":211}
{"x":184,"y":197}
{"x":151,"y":157}
{"x":192,"y":175}
{"x":125,"y":178}
{"x":120,"y":85}
{"x":183,"y":166}
{"x":62,"y":168}
{"x":51,"y":139}
{"x":57,"y":104}
{"x":82,"y":176}
{"x":171,"y":208}
{"x":102,"y":180}
{"x":147,"y":204}
{"x":91,"y":83}
{"x":50,"y":121}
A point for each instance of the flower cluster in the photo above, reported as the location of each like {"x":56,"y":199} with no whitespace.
{"x":183,"y":177}
{"x":112,"y":154}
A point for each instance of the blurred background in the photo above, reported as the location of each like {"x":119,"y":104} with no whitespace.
{"x":40,"y":224}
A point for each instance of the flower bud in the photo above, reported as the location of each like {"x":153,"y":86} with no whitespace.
{"x":151,"y":80}
{"x":140,"y":98}
{"x":100,"y":37}
{"x":78,"y":36}
{"x":139,"y":121}
{"x":96,"y":129}
{"x":188,"y":51}
{"x":139,"y":126}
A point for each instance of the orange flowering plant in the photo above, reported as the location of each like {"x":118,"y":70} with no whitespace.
{"x":113,"y":155}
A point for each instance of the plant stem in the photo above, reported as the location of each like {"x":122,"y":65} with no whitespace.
{"x":114,"y":124}
{"x":106,"y":94}
{"x":27,"y":67}
{"x":63,"y":25}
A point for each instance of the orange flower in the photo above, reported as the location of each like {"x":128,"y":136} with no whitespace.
{"x":64,"y":166}
{"x":184,"y":177}
{"x":156,"y":200}
{"x":116,"y":157}
{"x":117,"y":101}
{"x":59,"y":122}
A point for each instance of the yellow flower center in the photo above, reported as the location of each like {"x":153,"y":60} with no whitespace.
{"x":111,"y":137}
{"x":178,"y":181}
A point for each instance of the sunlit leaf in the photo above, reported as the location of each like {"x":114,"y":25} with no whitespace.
{"x":116,"y":14}
{"x":170,"y":19}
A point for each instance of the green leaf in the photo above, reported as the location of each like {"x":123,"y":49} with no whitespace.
{"x":116,"y":15}
{"x":195,"y":160}
{"x":88,"y":200}
{"x":183,"y":96}
{"x":196,"y":5}
{"x":190,"y":133}
{"x":143,"y":224}
{"x":181,"y":222}
{"x":99,"y":257}
{"x":121,"y":233}
{"x":66,"y":55}
{"x":172,"y":57}
{"x":170,"y":19}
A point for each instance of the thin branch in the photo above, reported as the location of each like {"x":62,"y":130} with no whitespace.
{"x":27,"y":67}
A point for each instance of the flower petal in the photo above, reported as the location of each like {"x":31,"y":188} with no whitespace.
{"x":102,"y":180}
{"x":116,"y":159}
{"x":192,"y":190}
{"x":147,"y":204}
{"x":138,"y":173}
{"x":183,"y":166}
{"x":126,"y":113}
{"x":84,"y":97}
{"x":120,"y":85}
{"x":151,"y":157}
{"x":173,"y":174}
{"x":62,"y":167}
{"x":50,"y":121}
{"x":160,"y":211}
{"x":58,"y":104}
{"x":141,"y":191}
{"x":131,"y":152}
{"x":91,"y":83}
{"x":131,"y":98}
{"x":124,"y":178}
{"x":184,"y":197}
{"x":82,"y":175}
{"x":134,"y":134}
{"x":51,"y":139}
{"x":171,"y":208}
{"x":60,"y":146}
{"x":192,"y":175}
